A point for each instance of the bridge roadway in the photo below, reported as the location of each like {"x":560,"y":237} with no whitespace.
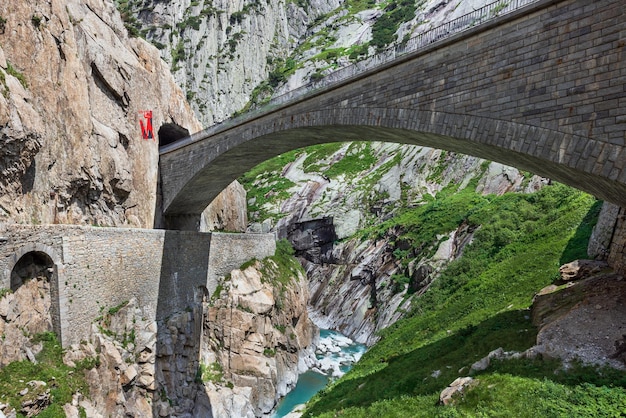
{"x":542,"y":88}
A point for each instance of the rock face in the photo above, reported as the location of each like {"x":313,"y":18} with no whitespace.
{"x":227,"y":212}
{"x":220,"y":50}
{"x":24,"y":313}
{"x":75,"y":89}
{"x":356,"y":295}
{"x":79,"y":97}
{"x":585,"y":319}
{"x":258,"y":339}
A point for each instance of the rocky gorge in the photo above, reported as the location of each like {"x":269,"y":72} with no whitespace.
{"x":337,"y":259}
{"x":233,"y":354}
{"x":76,"y":88}
{"x":72,"y":152}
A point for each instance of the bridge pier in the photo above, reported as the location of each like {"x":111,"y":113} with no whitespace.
{"x":185,"y":222}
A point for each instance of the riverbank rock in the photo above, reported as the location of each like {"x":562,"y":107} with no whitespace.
{"x":580,"y":269}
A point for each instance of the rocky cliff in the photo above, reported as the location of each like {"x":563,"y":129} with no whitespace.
{"x":75,"y":89}
{"x":258,"y":338}
{"x":229,"y":55}
{"x":221,"y":50}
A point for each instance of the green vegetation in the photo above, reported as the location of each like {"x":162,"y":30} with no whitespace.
{"x":178,"y":54}
{"x":4,"y":292}
{"x":61,"y":380}
{"x":264,"y":184}
{"x":358,"y":158}
{"x":479,"y":303}
{"x":210,"y":373}
{"x":133,"y":26}
{"x":356,"y":6}
{"x":20,"y":77}
{"x":192,"y":22}
{"x":385,"y":28}
{"x":499,"y":7}
{"x":36,"y":21}
{"x":116,"y":309}
{"x":283,"y":266}
{"x":318,"y":154}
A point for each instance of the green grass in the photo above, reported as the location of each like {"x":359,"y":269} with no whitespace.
{"x":63,"y":381}
{"x":504,"y":395}
{"x":282,"y":267}
{"x":317,"y":154}
{"x":480,"y":303}
{"x":20,"y":77}
{"x":356,"y":6}
{"x":264,"y":184}
{"x":358,"y":158}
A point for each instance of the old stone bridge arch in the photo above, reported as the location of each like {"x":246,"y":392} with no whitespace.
{"x":542,"y":89}
{"x":38,"y":260}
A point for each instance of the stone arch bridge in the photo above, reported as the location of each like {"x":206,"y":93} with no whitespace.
{"x":541,"y":88}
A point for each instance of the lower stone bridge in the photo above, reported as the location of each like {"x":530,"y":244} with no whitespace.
{"x":93,"y":269}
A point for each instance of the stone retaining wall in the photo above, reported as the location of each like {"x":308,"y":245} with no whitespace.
{"x":96,"y":269}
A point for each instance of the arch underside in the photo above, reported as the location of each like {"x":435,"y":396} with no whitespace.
{"x":586,"y":164}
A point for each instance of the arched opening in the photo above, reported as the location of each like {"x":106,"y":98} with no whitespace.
{"x":32,"y":265}
{"x":33,"y":305}
{"x":171,"y":132}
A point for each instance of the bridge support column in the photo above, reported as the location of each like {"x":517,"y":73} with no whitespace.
{"x":184,"y":222}
{"x":617,"y":252}
{"x":608,"y":240}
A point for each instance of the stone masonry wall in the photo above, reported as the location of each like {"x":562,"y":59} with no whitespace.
{"x":617,"y":253}
{"x":99,"y":268}
{"x":230,"y":251}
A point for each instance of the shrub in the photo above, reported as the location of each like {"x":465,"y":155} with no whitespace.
{"x":384,"y":29}
{"x":12,"y":71}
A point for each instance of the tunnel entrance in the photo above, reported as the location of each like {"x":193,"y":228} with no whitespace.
{"x":171,"y":132}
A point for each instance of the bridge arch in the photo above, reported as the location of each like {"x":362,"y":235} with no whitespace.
{"x":549,"y":153}
{"x":32,"y":260}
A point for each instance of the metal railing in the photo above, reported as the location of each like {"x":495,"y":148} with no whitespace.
{"x":470,"y":20}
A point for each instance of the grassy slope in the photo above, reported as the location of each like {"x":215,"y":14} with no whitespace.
{"x":63,"y":381}
{"x":479,"y":304}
